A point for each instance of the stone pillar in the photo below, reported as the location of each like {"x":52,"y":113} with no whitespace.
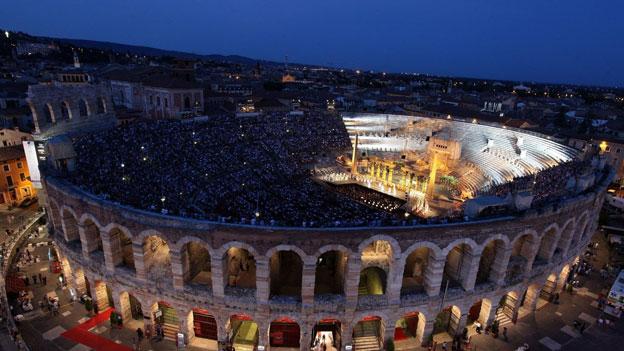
{"x":433,"y":274}
{"x":395,"y":281}
{"x":139,"y":262}
{"x":221,"y":331}
{"x":347,"y":334}
{"x":263,"y":334}
{"x":87,"y":242}
{"x":262,"y":280}
{"x":177,"y":269}
{"x":122,"y":305}
{"x":486,"y":311}
{"x":352,"y":281}
{"x":308,"y":281}
{"x":428,"y":330}
{"x":304,"y":335}
{"x":218,"y":280}
{"x":463,"y":320}
{"x":499,"y":266}
{"x":470,"y":268}
{"x":531,"y":298}
{"x":388,"y":331}
{"x":112,"y":251}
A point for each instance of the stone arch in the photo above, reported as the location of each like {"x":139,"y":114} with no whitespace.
{"x":547,"y":245}
{"x":409,"y":330}
{"x":178,"y":245}
{"x":502,"y":237}
{"x":66,"y":112}
{"x":70,"y":225}
{"x":457,"y":266}
{"x":369,"y":331}
{"x":83,"y":108}
{"x":581,"y":225}
{"x":565,"y":236}
{"x":507,"y":307}
{"x":286,"y":271}
{"x":156,"y":256}
{"x":92,"y":236}
{"x":130,"y":306}
{"x":330,"y":270}
{"x":373,"y":281}
{"x":522,"y":252}
{"x":448,"y":321}
{"x":492,"y":252}
{"x":394,"y":244}
{"x":121,"y":247}
{"x":415,"y":263}
{"x":285,"y":331}
{"x":48,"y":114}
{"x":195,"y":256}
{"x":239,"y":268}
{"x":332,"y":247}
{"x":244,"y":331}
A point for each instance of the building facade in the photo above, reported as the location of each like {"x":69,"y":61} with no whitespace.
{"x":15,"y":186}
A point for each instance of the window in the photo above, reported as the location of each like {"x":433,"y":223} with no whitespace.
{"x":166,"y":102}
{"x":22,"y":177}
{"x":6,"y":167}
{"x":158,"y":101}
{"x":9,"y":181}
{"x":151,"y":99}
{"x":19,"y":164}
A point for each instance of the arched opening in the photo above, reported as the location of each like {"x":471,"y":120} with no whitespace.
{"x":478,"y":315}
{"x":548,"y":291}
{"x":286,"y":272}
{"x":368,"y":334}
{"x":409,"y":331}
{"x":330,"y":273}
{"x":505,"y":312}
{"x":101,"y":106}
{"x":586,"y":231}
{"x":103,"y":296}
{"x":328,"y":331}
{"x":457,"y":267}
{"x":65,"y":111}
{"x":80,"y":283}
{"x":54,"y":218}
{"x":70,"y":226}
{"x":372,"y":281}
{"x":204,"y":326}
{"x":122,"y":252}
{"x":94,"y":240}
{"x":520,"y":256}
{"x":284,"y":333}
{"x":83,"y":108}
{"x":378,"y":252}
{"x":243,"y":332}
{"x":531,"y":298}
{"x":157,"y":260}
{"x":547,"y":245}
{"x":566,"y":238}
{"x":487,"y":260}
{"x":446,"y":324}
{"x":48,"y":113}
{"x":580,"y":230}
{"x":131,"y":310}
{"x":167,"y":317}
{"x":414,"y":271}
{"x":239,"y":272}
{"x":196,"y":266}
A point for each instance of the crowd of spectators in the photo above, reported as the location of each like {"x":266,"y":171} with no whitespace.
{"x":249,"y":170}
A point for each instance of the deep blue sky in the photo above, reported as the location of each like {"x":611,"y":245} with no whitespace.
{"x":533,"y":40}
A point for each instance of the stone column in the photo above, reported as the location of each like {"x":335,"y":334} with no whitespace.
{"x":428,"y":330}
{"x":388,"y":331}
{"x":218,"y":281}
{"x":112,"y":251}
{"x":470,"y":268}
{"x":87,"y":242}
{"x":395,"y":281}
{"x":433,"y":274}
{"x":263,"y":334}
{"x":499,"y":266}
{"x":531,"y":298}
{"x":122,"y":306}
{"x":139,"y":262}
{"x":304,"y":336}
{"x":221,"y":331}
{"x":354,"y":265}
{"x":308,"y":281}
{"x":347,"y":335}
{"x":177,"y":269}
{"x":463,"y":320}
{"x":262,"y":280}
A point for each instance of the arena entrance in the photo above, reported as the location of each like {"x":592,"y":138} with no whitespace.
{"x":478,"y":315}
{"x":103,"y":296}
{"x":136,"y":310}
{"x":286,"y":274}
{"x":409,"y":330}
{"x":548,"y":291}
{"x":244,"y":332}
{"x":284,"y":334}
{"x":372,"y":281}
{"x":446,"y":324}
{"x":165,"y":315}
{"x":239,"y":268}
{"x":505,"y":313}
{"x":368,"y":334}
{"x":328,"y":332}
{"x":204,"y":324}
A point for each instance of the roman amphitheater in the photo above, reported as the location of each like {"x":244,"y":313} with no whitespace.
{"x":270,"y":284}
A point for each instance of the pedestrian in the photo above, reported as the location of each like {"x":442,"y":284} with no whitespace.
{"x":40,"y":278}
{"x":583,"y":326}
{"x":139,"y":332}
{"x":444,"y":346}
{"x":26,"y":281}
{"x":45,"y":280}
{"x":505,"y":333}
{"x":34,"y":278}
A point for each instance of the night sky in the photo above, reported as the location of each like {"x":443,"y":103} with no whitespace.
{"x":534,"y":40}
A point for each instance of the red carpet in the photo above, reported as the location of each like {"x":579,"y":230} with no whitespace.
{"x":81,"y":334}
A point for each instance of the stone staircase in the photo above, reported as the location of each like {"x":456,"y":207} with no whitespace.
{"x":503,"y":319}
{"x":171,"y":331}
{"x":367,"y":337}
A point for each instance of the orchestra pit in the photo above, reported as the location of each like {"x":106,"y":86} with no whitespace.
{"x":290,"y":232}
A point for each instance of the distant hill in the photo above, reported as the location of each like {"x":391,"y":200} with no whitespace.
{"x":149,"y":51}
